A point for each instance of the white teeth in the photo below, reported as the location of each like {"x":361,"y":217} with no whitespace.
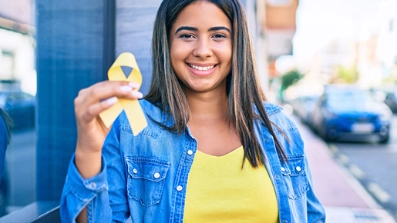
{"x":201,"y":68}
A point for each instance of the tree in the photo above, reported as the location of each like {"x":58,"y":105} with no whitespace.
{"x":288,"y":79}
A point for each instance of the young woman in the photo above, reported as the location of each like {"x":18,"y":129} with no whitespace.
{"x":213,"y":149}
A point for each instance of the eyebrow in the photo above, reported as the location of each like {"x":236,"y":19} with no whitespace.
{"x":216,"y":28}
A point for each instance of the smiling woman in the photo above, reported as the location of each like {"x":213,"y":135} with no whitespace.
{"x":201,"y":48}
{"x":212,"y":146}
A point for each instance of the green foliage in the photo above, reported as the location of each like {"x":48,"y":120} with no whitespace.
{"x":348,"y":75}
{"x":290,"y":78}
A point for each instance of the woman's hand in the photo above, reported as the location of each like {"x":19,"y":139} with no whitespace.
{"x":91,"y":131}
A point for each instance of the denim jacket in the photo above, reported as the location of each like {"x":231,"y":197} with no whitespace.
{"x":145,"y":176}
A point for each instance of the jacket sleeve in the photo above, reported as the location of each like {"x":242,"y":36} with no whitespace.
{"x":315,"y":210}
{"x":104,"y":203}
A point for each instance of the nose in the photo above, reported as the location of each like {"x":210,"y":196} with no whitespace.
{"x":203,"y":49}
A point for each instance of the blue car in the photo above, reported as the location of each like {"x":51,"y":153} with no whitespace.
{"x":21,"y":108}
{"x":351,"y":114}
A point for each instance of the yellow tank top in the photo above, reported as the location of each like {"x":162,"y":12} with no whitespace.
{"x":219,"y":190}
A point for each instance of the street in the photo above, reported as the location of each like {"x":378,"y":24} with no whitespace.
{"x":21,"y":168}
{"x":374,"y":166}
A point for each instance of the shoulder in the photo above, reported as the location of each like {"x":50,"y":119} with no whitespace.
{"x":286,"y":130}
{"x":279,"y":118}
{"x":153,"y":111}
{"x":272,"y":108}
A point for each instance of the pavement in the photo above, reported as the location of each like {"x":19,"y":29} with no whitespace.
{"x":344,"y":198}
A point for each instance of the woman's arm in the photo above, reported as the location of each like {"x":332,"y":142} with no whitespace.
{"x":94,"y":198}
{"x":87,"y":165}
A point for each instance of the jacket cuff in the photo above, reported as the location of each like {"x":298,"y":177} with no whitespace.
{"x":86,"y":188}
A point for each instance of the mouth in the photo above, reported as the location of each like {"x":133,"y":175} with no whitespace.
{"x":201,"y":68}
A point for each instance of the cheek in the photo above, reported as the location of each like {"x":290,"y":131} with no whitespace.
{"x":225,"y":52}
{"x":173,"y":58}
{"x":177,"y":50}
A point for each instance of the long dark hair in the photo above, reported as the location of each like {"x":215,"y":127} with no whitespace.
{"x":243,"y":89}
{"x":8,"y":122}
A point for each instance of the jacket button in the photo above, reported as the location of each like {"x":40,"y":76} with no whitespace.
{"x":190,"y":152}
{"x":92,"y":186}
{"x":298,"y":168}
{"x":156,"y":175}
{"x":282,"y":169}
{"x":135,"y":170}
{"x":179,"y":188}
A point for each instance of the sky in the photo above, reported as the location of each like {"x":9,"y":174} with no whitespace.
{"x":320,"y":21}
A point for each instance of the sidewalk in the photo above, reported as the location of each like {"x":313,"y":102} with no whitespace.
{"x":343,"y":197}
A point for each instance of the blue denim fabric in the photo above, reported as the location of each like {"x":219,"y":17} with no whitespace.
{"x":145,"y":177}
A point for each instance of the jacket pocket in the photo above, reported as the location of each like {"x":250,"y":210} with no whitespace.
{"x":294,"y":175}
{"x":146,"y":178}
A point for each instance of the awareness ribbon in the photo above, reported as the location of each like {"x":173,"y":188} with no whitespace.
{"x":132,"y":108}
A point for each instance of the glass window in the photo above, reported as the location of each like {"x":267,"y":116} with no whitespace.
{"x":17,"y":98}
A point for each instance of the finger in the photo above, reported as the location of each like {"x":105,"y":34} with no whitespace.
{"x":95,"y":109}
{"x":110,"y":89}
{"x":104,"y":90}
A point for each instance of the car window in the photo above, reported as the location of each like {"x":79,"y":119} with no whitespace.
{"x":348,"y":97}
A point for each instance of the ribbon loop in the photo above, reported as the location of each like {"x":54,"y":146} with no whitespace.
{"x":132,"y":108}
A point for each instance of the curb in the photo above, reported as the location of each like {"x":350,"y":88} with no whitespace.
{"x":371,"y":192}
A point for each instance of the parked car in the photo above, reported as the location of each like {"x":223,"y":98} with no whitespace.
{"x":21,"y":108}
{"x":351,"y":113}
{"x":303,"y":108}
{"x":391,"y":101}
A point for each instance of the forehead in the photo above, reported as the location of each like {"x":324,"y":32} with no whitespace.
{"x":201,"y":14}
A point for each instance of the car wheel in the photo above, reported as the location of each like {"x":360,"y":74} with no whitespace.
{"x":384,"y":134}
{"x":324,"y":133}
{"x":384,"y":139}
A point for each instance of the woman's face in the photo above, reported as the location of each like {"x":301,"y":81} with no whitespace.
{"x":201,"y":47}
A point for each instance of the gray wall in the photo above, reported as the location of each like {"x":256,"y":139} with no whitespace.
{"x":134,"y":27}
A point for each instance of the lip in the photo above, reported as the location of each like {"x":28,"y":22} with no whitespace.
{"x":202,"y":72}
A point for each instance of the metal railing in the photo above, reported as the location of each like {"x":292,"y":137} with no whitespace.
{"x":36,"y":212}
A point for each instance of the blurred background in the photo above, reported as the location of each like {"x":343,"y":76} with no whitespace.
{"x":332,"y":66}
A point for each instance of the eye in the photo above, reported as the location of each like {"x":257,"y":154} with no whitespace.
{"x":219,"y":36}
{"x":186,"y":36}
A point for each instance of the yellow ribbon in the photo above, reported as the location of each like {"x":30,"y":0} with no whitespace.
{"x":132,"y":108}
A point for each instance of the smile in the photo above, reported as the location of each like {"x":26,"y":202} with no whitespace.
{"x":201,"y":68}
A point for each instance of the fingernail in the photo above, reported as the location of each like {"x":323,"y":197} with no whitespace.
{"x":125,"y":88}
{"x":111,"y":100}
{"x":134,"y":85}
{"x":137,"y":94}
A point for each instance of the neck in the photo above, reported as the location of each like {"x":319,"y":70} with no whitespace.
{"x":207,"y":106}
